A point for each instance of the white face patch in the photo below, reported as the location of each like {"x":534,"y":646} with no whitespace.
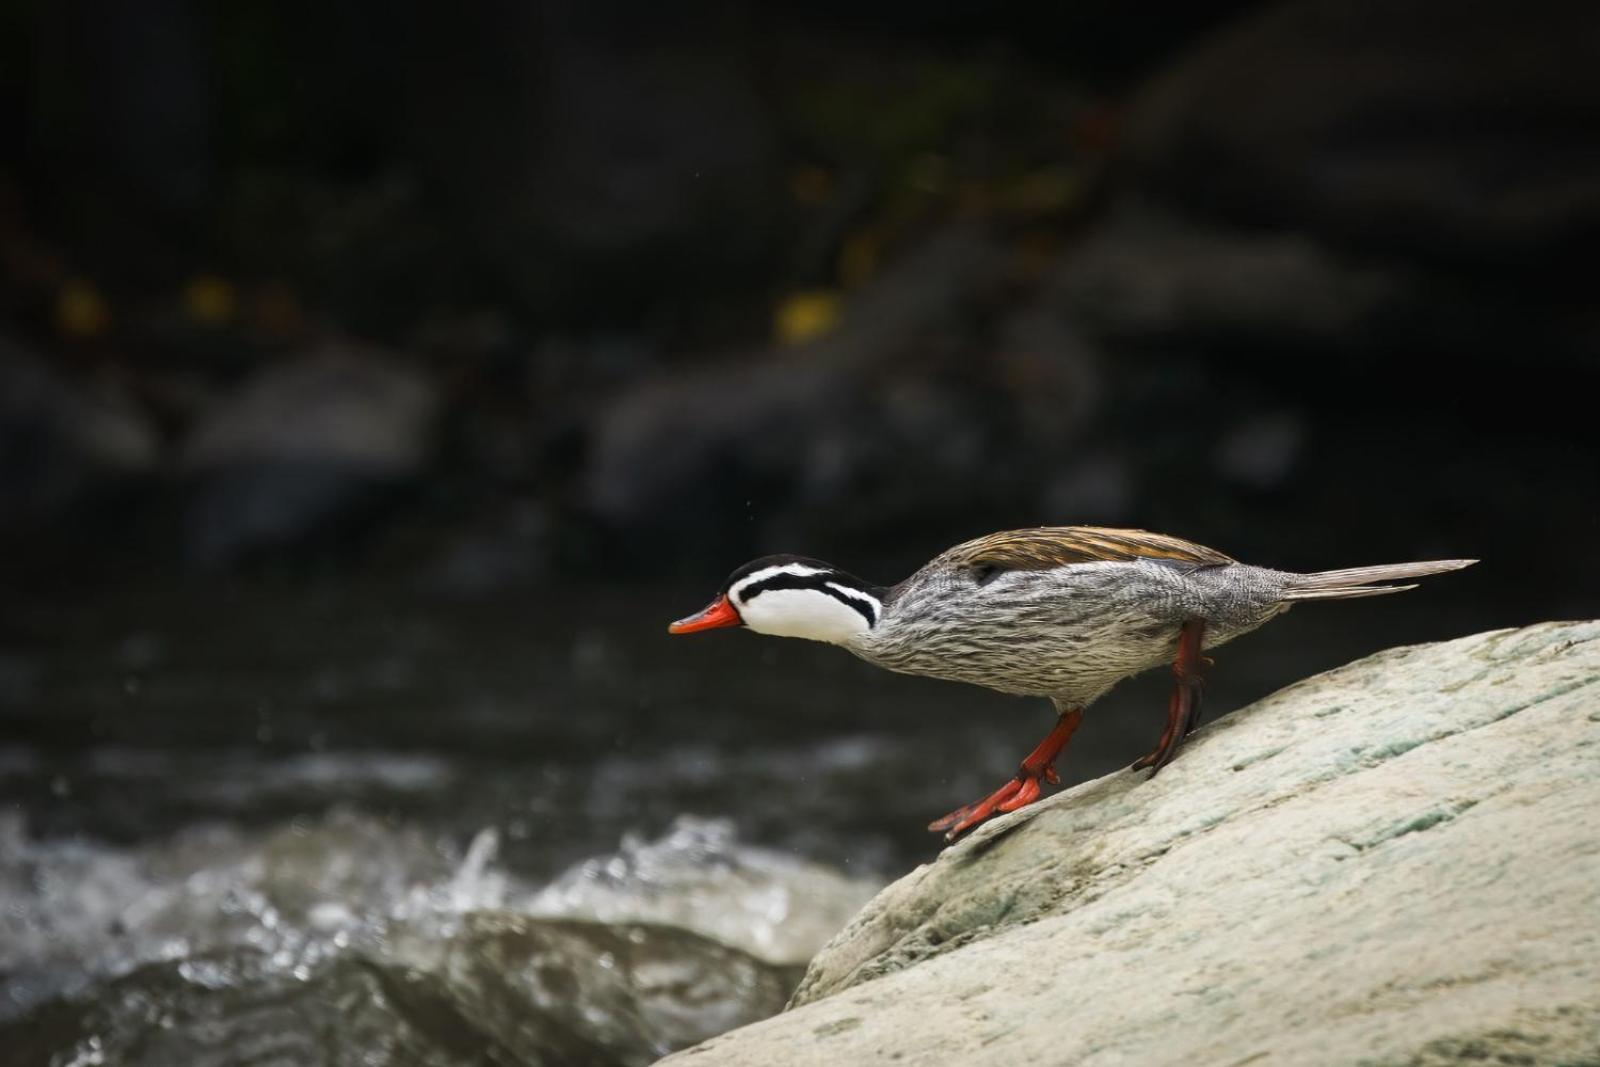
{"x":775,"y":600}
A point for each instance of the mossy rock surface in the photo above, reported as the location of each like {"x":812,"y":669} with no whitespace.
{"x":1394,"y":862}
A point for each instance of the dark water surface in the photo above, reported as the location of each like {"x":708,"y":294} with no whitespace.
{"x":232,"y":813}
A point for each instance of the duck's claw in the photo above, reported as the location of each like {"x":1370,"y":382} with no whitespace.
{"x":1024,"y":796}
{"x":1183,"y":709}
{"x":967,"y":816}
{"x":1022,"y":790}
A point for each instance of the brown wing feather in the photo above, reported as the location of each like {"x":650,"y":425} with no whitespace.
{"x":1056,"y":546}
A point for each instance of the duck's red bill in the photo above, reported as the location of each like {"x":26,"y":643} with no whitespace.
{"x":716,"y":614}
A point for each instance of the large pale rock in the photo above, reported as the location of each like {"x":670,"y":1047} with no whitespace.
{"x":1394,"y":862}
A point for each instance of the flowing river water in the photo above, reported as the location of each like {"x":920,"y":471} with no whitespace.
{"x":330,"y":824}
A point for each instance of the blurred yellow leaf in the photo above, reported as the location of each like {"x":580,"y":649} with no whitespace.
{"x":802,"y":316}
{"x":858,"y":259}
{"x":209,"y":300}
{"x":81,"y":312}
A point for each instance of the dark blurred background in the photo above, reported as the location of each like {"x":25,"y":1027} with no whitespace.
{"x":378,"y":379}
{"x":384,"y":375}
{"x":516,"y":291}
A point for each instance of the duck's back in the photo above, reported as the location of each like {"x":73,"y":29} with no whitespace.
{"x":1043,"y":547}
{"x":1064,"y":612}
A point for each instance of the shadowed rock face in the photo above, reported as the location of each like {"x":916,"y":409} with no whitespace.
{"x":1420,"y":128}
{"x":503,"y":989}
{"x":1392,"y":862}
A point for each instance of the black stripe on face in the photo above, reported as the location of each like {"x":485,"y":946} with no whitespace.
{"x":866,"y":605}
{"x":856,"y":601}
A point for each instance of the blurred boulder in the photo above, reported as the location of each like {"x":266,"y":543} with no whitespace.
{"x":302,"y":446}
{"x":1429,"y":129}
{"x":1411,"y":183}
{"x":1148,"y":274}
{"x":1260,"y":451}
{"x":917,"y":401}
{"x":59,"y":440}
{"x":511,"y":545}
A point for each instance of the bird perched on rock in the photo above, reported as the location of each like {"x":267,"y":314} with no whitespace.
{"x":1063,"y":612}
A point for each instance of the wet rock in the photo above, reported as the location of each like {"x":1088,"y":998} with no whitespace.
{"x":506,"y":989}
{"x":235,"y":1008}
{"x":1391,"y":862}
{"x":346,"y":939}
{"x":624,"y":994}
{"x":301,"y":446}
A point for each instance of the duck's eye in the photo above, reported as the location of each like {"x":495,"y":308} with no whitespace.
{"x":984,"y":573}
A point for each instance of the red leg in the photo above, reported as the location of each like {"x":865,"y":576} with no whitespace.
{"x":1183,"y":709}
{"x":1021,"y":790}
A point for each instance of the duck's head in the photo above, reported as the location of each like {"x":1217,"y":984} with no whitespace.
{"x":791,"y":596}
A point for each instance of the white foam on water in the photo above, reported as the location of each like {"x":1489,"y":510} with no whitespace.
{"x":699,"y":877}
{"x":317,"y":903}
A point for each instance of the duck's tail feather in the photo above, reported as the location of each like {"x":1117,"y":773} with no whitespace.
{"x":1365,"y":581}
